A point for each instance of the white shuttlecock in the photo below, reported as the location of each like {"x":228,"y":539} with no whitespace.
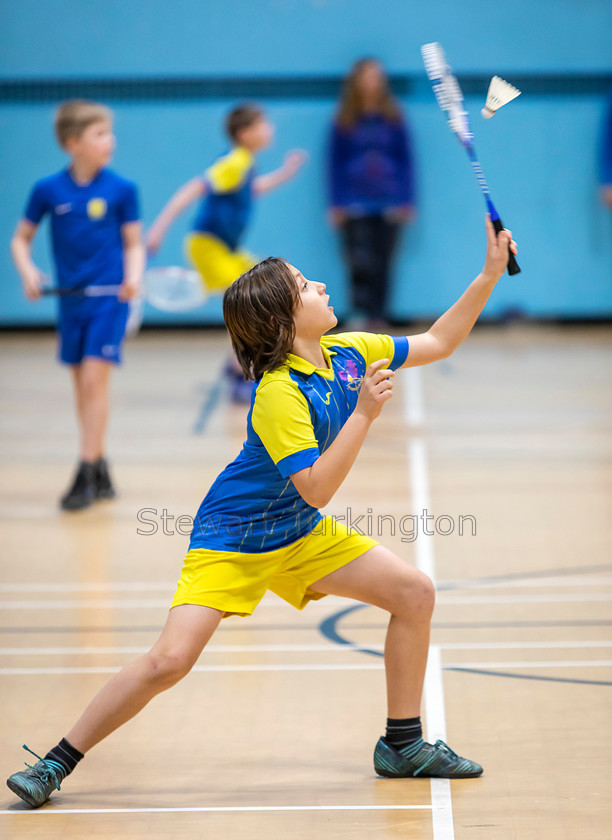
{"x":500,"y":92}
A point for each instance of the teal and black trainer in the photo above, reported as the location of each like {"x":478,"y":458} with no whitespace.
{"x":36,"y":784}
{"x":429,"y":760}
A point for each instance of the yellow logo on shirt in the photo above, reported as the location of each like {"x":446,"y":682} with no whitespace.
{"x":96,"y":208}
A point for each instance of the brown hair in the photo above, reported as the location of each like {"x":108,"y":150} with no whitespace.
{"x":242,"y":116}
{"x":351,"y":105}
{"x":75,"y":115}
{"x":258,"y":309}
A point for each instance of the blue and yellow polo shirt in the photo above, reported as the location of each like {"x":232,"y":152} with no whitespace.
{"x":296,"y":412}
{"x":226,"y":208}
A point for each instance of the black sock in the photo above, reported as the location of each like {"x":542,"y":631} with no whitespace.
{"x":403,"y":731}
{"x":66,"y":755}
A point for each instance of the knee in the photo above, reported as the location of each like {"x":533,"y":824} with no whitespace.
{"x":92,"y":388}
{"x":166,"y":668}
{"x":93,"y":380}
{"x":415,"y":598}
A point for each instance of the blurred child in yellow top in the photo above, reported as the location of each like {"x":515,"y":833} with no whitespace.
{"x":226,"y":191}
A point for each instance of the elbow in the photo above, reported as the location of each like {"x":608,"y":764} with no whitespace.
{"x":439,"y":348}
{"x":316,"y":499}
{"x":17,"y":243}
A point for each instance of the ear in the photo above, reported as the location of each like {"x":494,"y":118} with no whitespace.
{"x":71,"y":145}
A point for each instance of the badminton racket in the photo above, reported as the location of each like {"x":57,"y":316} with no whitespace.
{"x":174,"y":289}
{"x":449,"y":96}
{"x":169,"y":288}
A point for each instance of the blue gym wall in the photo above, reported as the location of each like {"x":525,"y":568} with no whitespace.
{"x":171,"y":70}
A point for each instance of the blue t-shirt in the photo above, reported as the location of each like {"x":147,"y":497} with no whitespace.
{"x":370,"y":166}
{"x":226,"y":208}
{"x":296,"y":413}
{"x":86,"y":225}
{"x":605,"y":169}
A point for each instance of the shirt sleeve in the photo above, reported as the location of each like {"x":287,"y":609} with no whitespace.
{"x":229,"y":172}
{"x":37,"y":206}
{"x":281,"y":419}
{"x":129,"y":210}
{"x":374,"y":347}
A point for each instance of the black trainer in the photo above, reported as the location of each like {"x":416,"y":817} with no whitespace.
{"x":83,"y":490}
{"x":104,"y":485}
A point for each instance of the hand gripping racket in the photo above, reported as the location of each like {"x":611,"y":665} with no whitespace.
{"x":170,"y":289}
{"x":449,"y":96}
{"x":136,"y":304}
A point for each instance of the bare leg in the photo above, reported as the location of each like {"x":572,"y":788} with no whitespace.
{"x":380,"y":578}
{"x":188,"y":629}
{"x":91,"y":383}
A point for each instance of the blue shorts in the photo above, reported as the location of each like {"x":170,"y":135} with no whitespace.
{"x":95,"y":329}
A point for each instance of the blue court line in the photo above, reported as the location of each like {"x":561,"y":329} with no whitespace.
{"x":526,"y":676}
{"x":329,"y":629}
{"x":546,"y":573}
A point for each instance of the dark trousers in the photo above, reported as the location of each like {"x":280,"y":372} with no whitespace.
{"x":369,"y":244}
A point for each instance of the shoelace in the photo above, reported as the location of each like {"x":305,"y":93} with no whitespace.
{"x":439,"y":747}
{"x":47,"y":771}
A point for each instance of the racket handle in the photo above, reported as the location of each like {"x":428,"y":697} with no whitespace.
{"x":513,"y":266}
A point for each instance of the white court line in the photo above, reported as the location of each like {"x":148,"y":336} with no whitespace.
{"x":414,"y":404}
{"x":201,"y":669}
{"x":126,"y":586}
{"x":532,"y":663}
{"x":426,"y":552}
{"x":419,"y":488}
{"x":550,"y":582}
{"x":441,"y":800}
{"x":522,"y":645}
{"x":216,"y":809}
{"x":169,"y":586}
{"x":308,"y":666}
{"x":133,"y":604}
{"x":268,"y":600}
{"x":328,"y":648}
{"x":447,"y":599}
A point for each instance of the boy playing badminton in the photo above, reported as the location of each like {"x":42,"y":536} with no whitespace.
{"x":226,"y":192}
{"x":259,"y":527}
{"x":96,"y":241}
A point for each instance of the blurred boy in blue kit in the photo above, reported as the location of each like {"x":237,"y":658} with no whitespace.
{"x":96,"y":241}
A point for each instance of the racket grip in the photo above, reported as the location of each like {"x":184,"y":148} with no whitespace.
{"x":513,"y":266}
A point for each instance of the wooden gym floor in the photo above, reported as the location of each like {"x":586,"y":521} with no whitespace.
{"x":509,"y":442}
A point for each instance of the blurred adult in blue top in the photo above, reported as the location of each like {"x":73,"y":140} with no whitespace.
{"x":370,"y":184}
{"x":605,"y":167}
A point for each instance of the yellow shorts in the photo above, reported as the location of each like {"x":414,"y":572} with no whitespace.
{"x":236,"y":582}
{"x":217,"y":264}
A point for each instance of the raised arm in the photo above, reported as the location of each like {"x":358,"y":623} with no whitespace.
{"x":455,"y":325}
{"x":293,"y":162}
{"x":181,"y":199}
{"x":21,"y":247}
{"x":318,"y":484}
